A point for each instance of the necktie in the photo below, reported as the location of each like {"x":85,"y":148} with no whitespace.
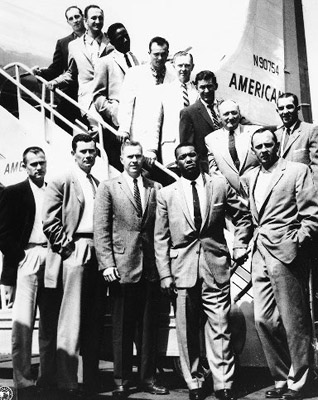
{"x":196,"y":207}
{"x":232,"y":150}
{"x":127,"y":60}
{"x":214,"y":116}
{"x":185,"y":96}
{"x":137,"y":198}
{"x":286,"y":138}
{"x":90,"y":180}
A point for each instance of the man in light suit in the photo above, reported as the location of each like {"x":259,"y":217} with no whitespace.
{"x":84,"y":53}
{"x":174,"y":97}
{"x":231,"y":162}
{"x":75,"y":19}
{"x":139,"y":99}
{"x":199,"y":119}
{"x":123,"y":232}
{"x":298,"y":139}
{"x":24,"y":247}
{"x":72,"y":267}
{"x":109,"y":75}
{"x":193,"y":261}
{"x":284,"y":207}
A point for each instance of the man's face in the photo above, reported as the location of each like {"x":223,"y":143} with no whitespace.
{"x":183,"y":66}
{"x":229,"y":114}
{"x":265,"y":148}
{"x":75,"y":19}
{"x":188,"y":162}
{"x":121,"y":40}
{"x":206,"y":90}
{"x":158,"y":55}
{"x":287,"y":111}
{"x":95,"y":21}
{"x":132,"y":160}
{"x":85,"y":155}
{"x":35,"y":167}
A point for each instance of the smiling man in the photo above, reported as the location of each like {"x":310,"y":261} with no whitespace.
{"x":284,"y":207}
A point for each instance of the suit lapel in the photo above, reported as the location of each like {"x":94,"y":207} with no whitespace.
{"x":148,"y":188}
{"x":78,"y":190}
{"x":252,"y":185}
{"x":245,"y":140}
{"x":183,"y":203}
{"x":202,"y":110}
{"x":293,"y":137}
{"x":208,"y":190}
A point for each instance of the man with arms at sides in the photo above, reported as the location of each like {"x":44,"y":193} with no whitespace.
{"x":199,"y":119}
{"x":24,"y":247}
{"x":174,"y":97}
{"x":194,"y":262}
{"x":229,"y":148}
{"x":84,"y":53}
{"x":72,"y":267}
{"x":74,"y":18}
{"x":109,"y":75}
{"x":284,"y":207}
{"x":123,"y":233}
{"x":298,"y":139}
{"x":139,"y":100}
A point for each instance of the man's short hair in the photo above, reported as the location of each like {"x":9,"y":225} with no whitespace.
{"x":81,"y":137}
{"x":128,"y":143}
{"x":205,"y":76}
{"x":70,"y":8}
{"x":227,"y":100}
{"x":113,"y":28}
{"x":261,"y":130}
{"x":286,"y":95}
{"x":184,"y":144}
{"x":182,"y":53}
{"x":89,"y":7}
{"x":160,"y":42}
{"x":33,"y":149}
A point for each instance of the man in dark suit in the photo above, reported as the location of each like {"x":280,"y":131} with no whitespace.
{"x":193,"y":261}
{"x":72,"y":267}
{"x":24,"y":247}
{"x":284,"y":207}
{"x":200,"y":119}
{"x":74,"y":18}
{"x":123,"y":233}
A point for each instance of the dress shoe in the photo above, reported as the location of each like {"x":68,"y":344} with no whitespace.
{"x":196,"y":394}
{"x":154,"y":388}
{"x":225,"y":394}
{"x":292,"y":395}
{"x":275,"y":393}
{"x":121,"y":392}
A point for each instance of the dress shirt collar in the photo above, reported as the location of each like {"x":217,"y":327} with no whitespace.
{"x":130,"y":180}
{"x":200,"y":181}
{"x":36,"y":187}
{"x":269,"y":170}
{"x":89,"y":40}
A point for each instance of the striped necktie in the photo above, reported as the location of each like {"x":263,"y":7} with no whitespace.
{"x":137,"y":198}
{"x":214,"y":116}
{"x":185,"y":96}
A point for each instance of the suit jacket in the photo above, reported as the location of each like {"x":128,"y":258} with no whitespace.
{"x":138,"y":104}
{"x":17,"y":213}
{"x":195,"y":125}
{"x":220,"y":160}
{"x":288,"y":218}
{"x":302,"y":146}
{"x":178,"y":244}
{"x":168,"y":118}
{"x":62,"y":212}
{"x":122,"y":238}
{"x":109,"y":75}
{"x":81,"y":68}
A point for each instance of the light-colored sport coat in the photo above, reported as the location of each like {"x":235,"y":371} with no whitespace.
{"x":177,"y":244}
{"x":122,"y":238}
{"x":62,"y":211}
{"x":288,"y":218}
{"x":81,"y":68}
{"x":109,"y":75}
{"x":220,"y":160}
{"x":138,"y":105}
{"x":302,"y":146}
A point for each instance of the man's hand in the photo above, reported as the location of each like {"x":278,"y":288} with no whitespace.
{"x":111,"y":274}
{"x":122,"y":136}
{"x":150,"y":157}
{"x":9,"y":295}
{"x":168,"y":287}
{"x":240,"y":256}
{"x":52,"y":85}
{"x":36,"y":70}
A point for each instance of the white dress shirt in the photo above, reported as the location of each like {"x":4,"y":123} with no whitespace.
{"x":37,"y":235}
{"x":263,"y":180}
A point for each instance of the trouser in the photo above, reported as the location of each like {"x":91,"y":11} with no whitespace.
{"x":212,"y":299}
{"x":282,"y":316}
{"x":30,"y":292}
